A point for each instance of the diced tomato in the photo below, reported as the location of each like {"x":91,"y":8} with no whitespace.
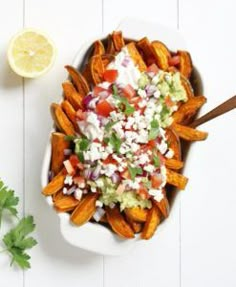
{"x":74,"y":160}
{"x":128,"y":91}
{"x":80,"y":115}
{"x":125,"y":174}
{"x":156,"y":181}
{"x":152,"y":143}
{"x":109,"y":160}
{"x":97,"y":90}
{"x":169,"y":102}
{"x":153,"y":69}
{"x":174,"y":61}
{"x":79,"y":180}
{"x":104,"y":109}
{"x":110,"y":75}
{"x":69,"y":168}
{"x":143,"y":192}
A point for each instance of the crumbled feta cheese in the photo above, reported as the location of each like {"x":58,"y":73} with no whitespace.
{"x":98,"y":203}
{"x":170,"y":153}
{"x":142,"y":104}
{"x":157,"y":194}
{"x":99,"y":183}
{"x":144,"y":158}
{"x":91,"y":127}
{"x":64,"y":190}
{"x":78,"y":193}
{"x":149,"y":168}
{"x":68,"y":180}
{"x":142,"y":93}
{"x":157,"y":94}
{"x":162,"y":147}
{"x":117,"y":158}
{"x":119,"y":129}
{"x":93,"y":189}
{"x":134,"y":147}
{"x":108,"y":169}
{"x":129,"y":122}
{"x":131,"y":184}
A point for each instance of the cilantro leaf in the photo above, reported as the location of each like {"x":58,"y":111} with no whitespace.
{"x":84,"y":144}
{"x":154,"y":131}
{"x":109,"y":125}
{"x":70,"y":138}
{"x":124,"y":105}
{"x":114,"y":90}
{"x":115,"y":141}
{"x":129,"y":110}
{"x":8,"y":200}
{"x":17,"y":242}
{"x":156,"y":160}
{"x":81,"y":145}
{"x":133,"y":171}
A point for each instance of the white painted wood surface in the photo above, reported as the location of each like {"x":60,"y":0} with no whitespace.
{"x":197,"y":247}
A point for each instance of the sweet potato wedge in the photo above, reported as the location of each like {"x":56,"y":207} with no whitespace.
{"x":98,"y":48}
{"x":176,"y":179}
{"x":145,"y":46}
{"x":66,"y":203}
{"x":118,"y":40}
{"x":56,"y":184}
{"x":137,"y":213}
{"x":110,"y":46}
{"x":174,"y":143}
{"x":59,"y":144}
{"x":69,"y":111}
{"x":185,"y":64}
{"x":96,"y":69}
{"x":153,"y":220}
{"x":106,"y":59}
{"x":136,"y":226}
{"x":187,"y":86}
{"x":85,"y":210}
{"x":163,"y":205}
{"x":118,"y":223}
{"x":188,"y":109}
{"x":72,"y":96}
{"x":78,"y":80}
{"x":68,"y":89}
{"x":87,"y":73}
{"x":174,"y":163}
{"x":136,"y":57}
{"x":56,"y":196}
{"x":161,"y":54}
{"x":189,"y":134}
{"x":62,"y":121}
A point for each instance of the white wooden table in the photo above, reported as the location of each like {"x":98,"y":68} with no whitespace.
{"x":197,"y":246}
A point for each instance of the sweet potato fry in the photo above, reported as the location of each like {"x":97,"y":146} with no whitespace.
{"x":72,"y":96}
{"x":78,"y":80}
{"x":136,"y":57}
{"x":137,"y":213}
{"x":136,"y":226}
{"x":85,"y":210}
{"x":98,"y":48}
{"x":106,"y":59}
{"x":153,"y":220}
{"x":68,"y":89}
{"x":62,"y":120}
{"x":163,"y":205}
{"x":174,"y":143}
{"x":118,"y":223}
{"x":188,"y":133}
{"x":145,"y":46}
{"x":176,"y":179}
{"x":96,"y":69}
{"x":174,"y":163}
{"x":118,"y":40}
{"x":56,"y":184}
{"x":188,"y":109}
{"x":187,"y":86}
{"x":87,"y":73}
{"x":161,"y":54}
{"x":69,"y":111}
{"x":110,"y":46}
{"x":66,"y":203}
{"x":59,"y":144}
{"x":185,"y":65}
{"x":56,"y":196}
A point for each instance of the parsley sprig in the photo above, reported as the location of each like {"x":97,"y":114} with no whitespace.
{"x":16,"y":240}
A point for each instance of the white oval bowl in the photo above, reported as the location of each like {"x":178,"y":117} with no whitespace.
{"x":91,"y":236}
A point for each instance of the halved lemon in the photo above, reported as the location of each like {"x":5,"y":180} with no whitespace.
{"x":31,"y":53}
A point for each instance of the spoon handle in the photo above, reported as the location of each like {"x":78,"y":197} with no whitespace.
{"x":225,"y":107}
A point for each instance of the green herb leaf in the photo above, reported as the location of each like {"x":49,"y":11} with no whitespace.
{"x":129,"y":110}
{"x":70,"y":138}
{"x":109,"y":125}
{"x":133,"y":171}
{"x":80,"y":156}
{"x":84,"y":144}
{"x":154,"y":131}
{"x":17,"y":242}
{"x":114,"y":90}
{"x":156,"y":160}
{"x":8,"y":200}
{"x":115,"y":141}
{"x":124,"y":105}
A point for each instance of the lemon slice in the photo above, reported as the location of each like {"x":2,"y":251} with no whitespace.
{"x":31,"y":53}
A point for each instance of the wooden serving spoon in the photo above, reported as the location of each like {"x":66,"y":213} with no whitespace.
{"x":223,"y":108}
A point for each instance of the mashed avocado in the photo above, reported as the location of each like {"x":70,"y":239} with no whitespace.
{"x":127,"y":199}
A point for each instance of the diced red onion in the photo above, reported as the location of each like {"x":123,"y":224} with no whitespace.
{"x":71,"y":189}
{"x":67,"y":151}
{"x":103,"y":94}
{"x":115,"y":178}
{"x":98,"y":214}
{"x":87,"y":99}
{"x":87,"y":173}
{"x":150,"y":90}
{"x":95,"y":174}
